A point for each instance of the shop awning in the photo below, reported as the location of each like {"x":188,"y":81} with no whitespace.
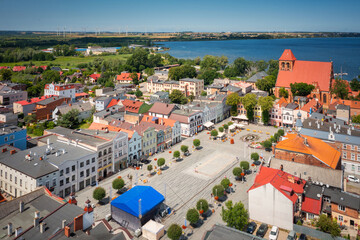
{"x":208,"y":124}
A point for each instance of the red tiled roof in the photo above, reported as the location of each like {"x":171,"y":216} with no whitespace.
{"x":310,"y":205}
{"x":313,"y":104}
{"x":33,"y":100}
{"x":282,"y":102}
{"x":125,"y":77}
{"x":309,"y":72}
{"x":60,"y":87}
{"x":83,"y":94}
{"x":95,"y":76}
{"x":18,"y":68}
{"x":166,"y":121}
{"x":316,"y":147}
{"x":350,"y":103}
{"x":132,"y":106}
{"x":282,"y":181}
{"x":113,"y":102}
{"x":287,"y":55}
{"x":162,"y":108}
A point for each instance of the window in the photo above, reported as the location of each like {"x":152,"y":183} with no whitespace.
{"x":87,"y":162}
{"x":82,"y":174}
{"x":93,"y":169}
{"x":341,"y":218}
{"x":358,"y":158}
{"x":93,"y":160}
{"x":352,"y":156}
{"x":67,"y":170}
{"x":73,"y":178}
{"x":61,"y":182}
{"x":105,"y":152}
{"x":344,"y":146}
{"x":15,"y":179}
{"x":54,"y":182}
{"x":67,"y":180}
{"x":344,"y":155}
{"x":324,"y":98}
{"x":310,"y":216}
{"x":10,"y":177}
{"x":341,"y":208}
{"x":110,"y":150}
{"x":353,"y":147}
{"x":73,"y":168}
{"x":20,"y":182}
{"x":87,"y":172}
{"x":61,"y":173}
{"x":1,"y":173}
{"x":82,"y":164}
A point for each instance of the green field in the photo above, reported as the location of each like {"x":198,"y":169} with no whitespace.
{"x":69,"y":62}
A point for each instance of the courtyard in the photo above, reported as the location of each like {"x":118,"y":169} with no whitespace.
{"x":186,"y":181}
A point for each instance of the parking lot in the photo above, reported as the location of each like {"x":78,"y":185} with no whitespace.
{"x":186,"y":181}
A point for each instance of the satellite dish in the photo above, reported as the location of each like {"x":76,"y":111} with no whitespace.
{"x":327,"y":185}
{"x":321,"y":184}
{"x":318,"y":195}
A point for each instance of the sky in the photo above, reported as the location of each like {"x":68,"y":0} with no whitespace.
{"x":183,"y":15}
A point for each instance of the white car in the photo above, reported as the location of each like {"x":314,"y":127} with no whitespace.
{"x":274,"y":233}
{"x":352,"y":178}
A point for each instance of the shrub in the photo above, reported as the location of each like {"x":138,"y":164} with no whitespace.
{"x":237,"y":172}
{"x":281,"y":132}
{"x":221,"y":129}
{"x":225,"y":183}
{"x":245,"y":165}
{"x":267,"y":144}
{"x":255,"y":156}
{"x":184,"y":148}
{"x":202,"y":204}
{"x":214,"y":133}
{"x":99,"y":193}
{"x":149,"y":168}
{"x":192,"y":216}
{"x":196,"y":143}
{"x":118,"y":183}
{"x":272,"y":139}
{"x":176,"y":154}
{"x":230,"y":123}
{"x":299,"y":222}
{"x":161,"y":162}
{"x":226,"y":126}
{"x":218,"y":190}
{"x":174,"y":232}
{"x":277,"y":136}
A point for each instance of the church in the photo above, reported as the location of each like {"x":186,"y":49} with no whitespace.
{"x":319,"y":74}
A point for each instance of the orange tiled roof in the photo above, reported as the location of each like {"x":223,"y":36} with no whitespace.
{"x":100,"y":126}
{"x":350,"y":103}
{"x":113,"y":102}
{"x":132,"y":106}
{"x":309,"y":72}
{"x":310,"y":205}
{"x":125,"y":77}
{"x":287,"y":55}
{"x":313,"y":104}
{"x":166,"y":121}
{"x":316,"y":147}
{"x":282,"y":181}
{"x":282,"y":102}
{"x":95,"y":76}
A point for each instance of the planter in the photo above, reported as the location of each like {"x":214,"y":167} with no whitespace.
{"x":169,"y":151}
{"x":216,"y":198}
{"x":201,"y":211}
{"x":155,"y":159}
{"x":183,"y":227}
{"x":230,"y":185}
{"x":137,"y":168}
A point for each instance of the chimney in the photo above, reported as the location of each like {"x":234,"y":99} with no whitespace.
{"x":63,"y":224}
{"x":88,"y":207}
{"x":305,"y":142}
{"x":9,"y":228}
{"x":67,"y":231}
{"x":36,"y":221}
{"x":42,"y":227}
{"x":37,"y":214}
{"x":18,"y":231}
{"x":21,"y":206}
{"x":48,"y":142}
{"x":162,"y":121}
{"x":72,"y":199}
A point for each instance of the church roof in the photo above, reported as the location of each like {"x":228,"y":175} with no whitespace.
{"x":287,"y":55}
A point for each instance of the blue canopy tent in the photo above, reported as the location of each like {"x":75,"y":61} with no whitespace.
{"x":136,"y":206}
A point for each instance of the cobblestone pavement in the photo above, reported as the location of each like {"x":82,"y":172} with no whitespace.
{"x":184,"y":182}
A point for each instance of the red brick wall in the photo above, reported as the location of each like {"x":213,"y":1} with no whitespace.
{"x":299,"y":158}
{"x":348,"y":211}
{"x":78,"y":223}
{"x":46,"y":112}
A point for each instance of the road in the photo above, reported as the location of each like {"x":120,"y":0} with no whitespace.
{"x":184,"y":182}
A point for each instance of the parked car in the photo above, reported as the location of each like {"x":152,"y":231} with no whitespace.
{"x":251,"y":227}
{"x":302,"y":237}
{"x":262,"y":230}
{"x":291,"y":236}
{"x":274,"y":233}
{"x":352,"y":178}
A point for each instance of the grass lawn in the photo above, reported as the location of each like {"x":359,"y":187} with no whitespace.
{"x":145,"y":108}
{"x":85,"y":125}
{"x":69,"y":62}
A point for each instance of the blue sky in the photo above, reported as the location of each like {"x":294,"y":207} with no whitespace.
{"x":183,"y":15}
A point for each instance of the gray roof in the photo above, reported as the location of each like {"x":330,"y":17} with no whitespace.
{"x":103,"y":98}
{"x":49,"y":100}
{"x":329,"y":119}
{"x":82,"y":107}
{"x":112,"y":110}
{"x":7,"y":129}
{"x":301,"y":98}
{"x":257,"y":76}
{"x":335,"y":194}
{"x":221,"y":232}
{"x":292,"y":106}
{"x":259,"y":93}
{"x":231,"y":88}
{"x":343,"y":107}
{"x":161,"y":94}
{"x":319,"y":129}
{"x":191,"y":80}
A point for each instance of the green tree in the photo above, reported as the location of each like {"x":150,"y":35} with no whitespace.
{"x":138,"y":59}
{"x":355,"y":84}
{"x":266,"y":84}
{"x":30,"y":119}
{"x":235,"y":216}
{"x":239,"y":67}
{"x":209,"y":75}
{"x":225,"y":183}
{"x":245,"y":165}
{"x":191,"y":97}
{"x":134,"y":76}
{"x":185,"y":71}
{"x":226,"y":126}
{"x":327,"y":225}
{"x":340,"y":89}
{"x":138,"y":93}
{"x":221,"y":129}
{"x":267,"y":144}
{"x":277,"y":136}
{"x":266,"y":103}
{"x":192,"y":216}
{"x":184,"y":148}
{"x":214,"y":133}
{"x":99,"y":193}
{"x":237,"y":172}
{"x":5,"y":74}
{"x":213,"y":62}
{"x":301,"y":89}
{"x":196,"y":143}
{"x":283,"y":93}
{"x":203,"y":93}
{"x":118,"y":183}
{"x":50,"y":76}
{"x":281,"y":132}
{"x":255,"y":156}
{"x":161,"y":162}
{"x":176,"y":154}
{"x":174,"y":232}
{"x":149,"y":71}
{"x":273,"y":68}
{"x":149,"y":168}
{"x":233,"y":100}
{"x":218,"y":190}
{"x":261,"y":65}
{"x":202,"y":204}
{"x":176,"y":96}
{"x":70,"y":119}
{"x":356,"y":119}
{"x":249,"y":101}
